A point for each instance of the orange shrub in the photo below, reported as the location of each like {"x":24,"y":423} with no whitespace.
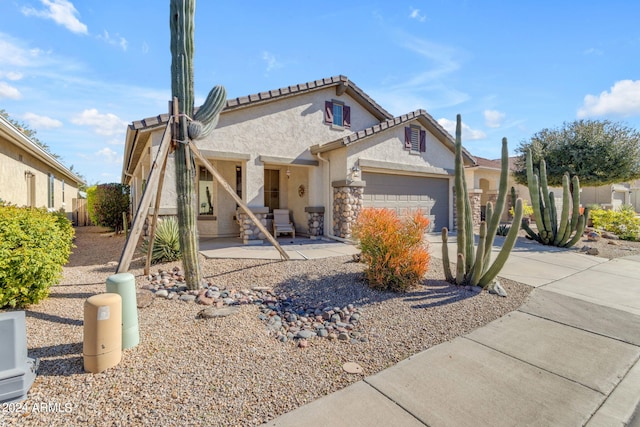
{"x":394,"y":249}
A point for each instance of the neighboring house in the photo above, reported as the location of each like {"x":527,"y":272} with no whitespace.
{"x":322,"y":149}
{"x":635,"y":195}
{"x":29,"y":176}
{"x":611,"y":196}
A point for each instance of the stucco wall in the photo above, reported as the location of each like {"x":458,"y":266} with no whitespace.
{"x":285,"y":128}
{"x":16,"y":164}
{"x":389,"y":147}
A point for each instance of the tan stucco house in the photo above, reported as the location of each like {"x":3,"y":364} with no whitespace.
{"x":322,"y":149}
{"x":29,"y":176}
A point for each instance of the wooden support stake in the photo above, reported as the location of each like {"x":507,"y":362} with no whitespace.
{"x":156,"y":208}
{"x":238,"y":200}
{"x":143,"y":207}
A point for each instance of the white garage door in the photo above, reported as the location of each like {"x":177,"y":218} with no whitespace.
{"x":407,"y":194}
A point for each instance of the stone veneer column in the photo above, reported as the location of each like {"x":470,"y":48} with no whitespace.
{"x":347,"y":204}
{"x":315,"y":221}
{"x":474,"y":201}
{"x":249,"y":231}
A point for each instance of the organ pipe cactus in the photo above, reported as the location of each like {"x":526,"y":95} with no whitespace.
{"x":568,"y":229}
{"x":474,"y":267}
{"x":182,"y":27}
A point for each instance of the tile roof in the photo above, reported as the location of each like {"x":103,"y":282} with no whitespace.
{"x":272,"y":95}
{"x":487,"y":163}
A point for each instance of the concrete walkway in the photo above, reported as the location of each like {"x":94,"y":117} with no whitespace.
{"x":567,"y":357}
{"x":300,"y":248}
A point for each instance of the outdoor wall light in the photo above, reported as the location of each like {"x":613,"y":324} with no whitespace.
{"x":288,"y":173}
{"x":355,"y":171}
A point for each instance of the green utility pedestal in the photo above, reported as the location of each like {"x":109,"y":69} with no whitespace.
{"x":124,"y":284}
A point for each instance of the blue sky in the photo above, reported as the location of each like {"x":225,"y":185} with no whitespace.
{"x":79,"y":71}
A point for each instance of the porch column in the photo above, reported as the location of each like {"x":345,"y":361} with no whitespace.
{"x":474,"y":201}
{"x":315,"y":221}
{"x":249,"y":231}
{"x":347,"y":204}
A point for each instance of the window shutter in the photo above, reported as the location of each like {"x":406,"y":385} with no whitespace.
{"x":423,"y":141}
{"x":328,"y":112}
{"x":346,"y":116}
{"x":407,"y":138}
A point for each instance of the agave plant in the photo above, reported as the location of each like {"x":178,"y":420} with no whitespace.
{"x":166,"y":245}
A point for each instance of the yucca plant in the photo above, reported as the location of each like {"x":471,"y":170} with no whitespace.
{"x":503,"y":230}
{"x":166,"y":245}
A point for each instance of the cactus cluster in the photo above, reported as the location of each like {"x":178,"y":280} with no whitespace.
{"x":474,"y":267}
{"x":568,"y":229}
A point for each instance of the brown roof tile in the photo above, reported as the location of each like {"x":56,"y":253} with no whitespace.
{"x":272,"y":95}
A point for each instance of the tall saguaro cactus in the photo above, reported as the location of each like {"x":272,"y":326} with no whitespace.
{"x":475,"y":267}
{"x":565,"y":231}
{"x":206,"y":118}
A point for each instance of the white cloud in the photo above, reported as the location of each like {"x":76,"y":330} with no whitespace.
{"x":415,"y":14}
{"x":102,"y":124}
{"x":429,"y":89}
{"x":468,"y":134}
{"x":145,"y":47}
{"x":8,"y":91}
{"x":11,"y":75}
{"x":623,"y":99}
{"x":41,"y":122}
{"x":62,"y":12}
{"x":109,"y":155}
{"x":272,"y":62}
{"x":115,"y":40}
{"x":493,"y":118}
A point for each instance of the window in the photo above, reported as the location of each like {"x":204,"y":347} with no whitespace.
{"x":415,"y":139}
{"x":205,"y":192}
{"x":238,"y":183}
{"x":272,"y":189}
{"x":63,"y":191}
{"x":51,"y":187}
{"x":337,"y":114}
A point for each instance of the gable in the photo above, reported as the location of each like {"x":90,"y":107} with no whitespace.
{"x":287,"y":126}
{"x":389,"y":149}
{"x":395,"y":133}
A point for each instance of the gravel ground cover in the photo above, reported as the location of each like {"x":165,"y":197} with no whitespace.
{"x":229,"y":371}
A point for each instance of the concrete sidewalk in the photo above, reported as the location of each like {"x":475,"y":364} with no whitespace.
{"x":568,"y":357}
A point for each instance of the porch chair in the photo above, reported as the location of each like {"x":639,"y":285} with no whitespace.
{"x":282,"y":223}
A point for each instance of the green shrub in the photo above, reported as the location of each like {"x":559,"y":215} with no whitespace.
{"x":166,"y":245}
{"x":91,"y":201}
{"x":394,"y":250}
{"x":623,"y":222}
{"x":109,"y":202}
{"x":34,"y":245}
{"x":527,"y":211}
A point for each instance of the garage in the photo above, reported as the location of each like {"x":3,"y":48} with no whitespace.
{"x":406,"y":194}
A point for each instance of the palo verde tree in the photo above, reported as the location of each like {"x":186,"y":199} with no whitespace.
{"x":599,"y":152}
{"x":189,"y":127}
